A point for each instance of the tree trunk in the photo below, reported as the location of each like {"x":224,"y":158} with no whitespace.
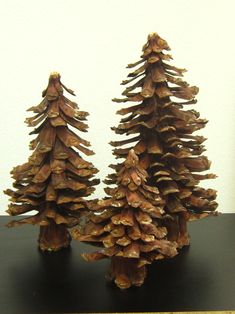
{"x":184,"y":238}
{"x":125,"y":273}
{"x":53,"y":237}
{"x":177,"y":231}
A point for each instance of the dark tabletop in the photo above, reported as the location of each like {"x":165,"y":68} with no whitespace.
{"x":201,"y":277}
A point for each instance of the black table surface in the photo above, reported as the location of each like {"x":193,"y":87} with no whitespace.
{"x":200,"y":278}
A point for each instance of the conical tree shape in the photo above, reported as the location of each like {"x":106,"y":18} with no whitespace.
{"x":56,"y":178}
{"x":160,"y":131}
{"x":129,"y":226}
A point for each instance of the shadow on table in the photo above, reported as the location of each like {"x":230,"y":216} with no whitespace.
{"x":43,"y":282}
{"x":60,"y":282}
{"x":179,"y":284}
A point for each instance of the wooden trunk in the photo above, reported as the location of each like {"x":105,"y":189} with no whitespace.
{"x":54,"y":237}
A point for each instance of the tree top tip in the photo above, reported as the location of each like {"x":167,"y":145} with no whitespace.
{"x":54,"y":74}
{"x":156,"y":42}
{"x":132,"y":159}
{"x":152,"y":34}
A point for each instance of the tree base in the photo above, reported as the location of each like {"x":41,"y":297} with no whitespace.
{"x":125,"y":273}
{"x":53,"y":237}
{"x":183,"y":240}
{"x":177,"y":231}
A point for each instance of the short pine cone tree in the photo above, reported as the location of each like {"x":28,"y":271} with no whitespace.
{"x":128,"y":226}
{"x":161,"y":133}
{"x":56,"y":178}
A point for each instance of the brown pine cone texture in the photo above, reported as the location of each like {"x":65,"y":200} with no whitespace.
{"x":129,"y":226}
{"x":160,"y":130}
{"x":56,"y":178}
{"x":157,"y":190}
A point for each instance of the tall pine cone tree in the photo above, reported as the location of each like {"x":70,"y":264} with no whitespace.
{"x":56,"y":178}
{"x":145,"y":216}
{"x":160,"y":131}
{"x":128,"y":226}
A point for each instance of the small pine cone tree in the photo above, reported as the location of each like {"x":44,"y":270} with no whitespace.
{"x":161,"y":134}
{"x":56,"y":178}
{"x":128,"y":226}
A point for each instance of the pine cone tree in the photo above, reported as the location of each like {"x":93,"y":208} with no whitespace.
{"x":56,"y":178}
{"x":161,"y":135}
{"x":128,"y":226}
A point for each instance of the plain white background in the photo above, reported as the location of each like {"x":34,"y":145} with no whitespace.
{"x":90,"y":43}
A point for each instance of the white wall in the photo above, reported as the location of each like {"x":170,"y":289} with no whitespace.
{"x":90,"y":43}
